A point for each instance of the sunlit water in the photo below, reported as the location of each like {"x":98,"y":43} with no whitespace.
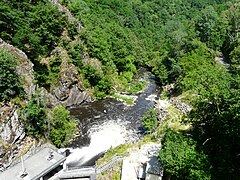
{"x":108,"y":123}
{"x":109,"y":135}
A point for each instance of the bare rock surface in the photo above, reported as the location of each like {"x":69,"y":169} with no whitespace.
{"x":69,"y":91}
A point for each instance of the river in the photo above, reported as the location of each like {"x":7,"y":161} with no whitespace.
{"x":108,"y":123}
{"x":96,"y":113}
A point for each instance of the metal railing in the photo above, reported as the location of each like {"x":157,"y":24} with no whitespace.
{"x":111,"y":164}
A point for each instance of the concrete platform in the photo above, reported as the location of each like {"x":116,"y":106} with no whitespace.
{"x":129,"y":171}
{"x":36,"y":166}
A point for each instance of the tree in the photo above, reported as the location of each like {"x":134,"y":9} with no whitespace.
{"x":211,"y":29}
{"x":215,"y":120}
{"x":232,"y":18}
{"x":180,"y":158}
{"x":214,"y":116}
{"x":150,"y":120}
{"x":9,"y":80}
{"x":62,"y":129}
{"x":35,"y":116}
{"x":235,"y":60}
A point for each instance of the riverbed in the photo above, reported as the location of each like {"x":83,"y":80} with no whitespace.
{"x":95,"y":114}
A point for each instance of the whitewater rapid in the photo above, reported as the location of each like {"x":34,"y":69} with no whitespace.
{"x":109,"y":134}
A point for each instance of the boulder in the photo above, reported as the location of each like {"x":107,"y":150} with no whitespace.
{"x":69,"y":91}
{"x":61,"y":93}
{"x":77,"y":97}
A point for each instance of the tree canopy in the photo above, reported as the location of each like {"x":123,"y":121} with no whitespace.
{"x":179,"y":41}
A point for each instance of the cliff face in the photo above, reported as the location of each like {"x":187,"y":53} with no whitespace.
{"x":67,"y":92}
{"x":12,"y":133}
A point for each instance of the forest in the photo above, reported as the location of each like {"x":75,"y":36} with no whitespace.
{"x":177,"y":40}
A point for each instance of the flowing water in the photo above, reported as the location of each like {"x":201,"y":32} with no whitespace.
{"x":109,"y":123}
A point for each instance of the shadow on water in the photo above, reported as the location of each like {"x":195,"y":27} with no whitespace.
{"x":98,"y":112}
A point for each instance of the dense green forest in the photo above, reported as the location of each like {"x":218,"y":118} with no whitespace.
{"x":178,"y":40}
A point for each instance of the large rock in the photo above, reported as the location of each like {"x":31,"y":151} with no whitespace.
{"x":62,"y":93}
{"x":11,"y":135}
{"x":69,"y":91}
{"x":12,"y":129}
{"x":77,"y":96}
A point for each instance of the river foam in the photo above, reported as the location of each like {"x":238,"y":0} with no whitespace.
{"x":109,"y":134}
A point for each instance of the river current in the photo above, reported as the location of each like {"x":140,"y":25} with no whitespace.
{"x":108,"y":123}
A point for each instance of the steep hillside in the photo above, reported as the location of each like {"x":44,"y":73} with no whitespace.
{"x":57,"y":54}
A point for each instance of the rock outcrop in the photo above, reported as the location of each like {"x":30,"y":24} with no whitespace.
{"x":11,"y":135}
{"x":67,"y":91}
{"x":70,"y":92}
{"x":24,"y":67}
{"x":12,"y":132}
{"x":69,"y":15}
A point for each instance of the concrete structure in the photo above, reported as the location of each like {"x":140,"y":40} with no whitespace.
{"x":129,"y":170}
{"x":134,"y":170}
{"x":35,"y":167}
{"x":154,"y":170}
{"x":81,"y":173}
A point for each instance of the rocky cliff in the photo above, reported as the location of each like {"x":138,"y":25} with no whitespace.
{"x":12,"y":133}
{"x":67,"y":92}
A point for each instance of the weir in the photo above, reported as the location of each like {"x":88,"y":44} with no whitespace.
{"x":109,"y":135}
{"x":86,"y":172}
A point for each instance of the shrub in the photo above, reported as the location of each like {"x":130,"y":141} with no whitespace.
{"x":62,"y":128}
{"x":150,"y":120}
{"x":9,"y":80}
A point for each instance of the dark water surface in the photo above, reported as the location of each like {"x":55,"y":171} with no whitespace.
{"x":98,"y":112}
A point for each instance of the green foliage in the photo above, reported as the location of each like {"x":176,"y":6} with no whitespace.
{"x":35,"y":116}
{"x":121,"y":34}
{"x":34,"y":27}
{"x":92,"y":74}
{"x":180,"y":158}
{"x":216,"y":126}
{"x":234,"y":57}
{"x":121,"y":150}
{"x":214,"y":117}
{"x":62,"y":128}
{"x":177,"y":40}
{"x":150,"y":120}
{"x":136,"y":87}
{"x":9,"y":80}
{"x":201,"y":76}
{"x":210,"y":27}
{"x":231,"y":17}
{"x":104,"y":86}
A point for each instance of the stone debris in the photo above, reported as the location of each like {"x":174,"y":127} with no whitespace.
{"x":161,"y":109}
{"x":181,"y":106}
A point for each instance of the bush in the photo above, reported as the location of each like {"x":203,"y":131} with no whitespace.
{"x":9,"y":80}
{"x":150,"y":120}
{"x":62,"y":128}
{"x":35,"y":116}
{"x":180,"y":158}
